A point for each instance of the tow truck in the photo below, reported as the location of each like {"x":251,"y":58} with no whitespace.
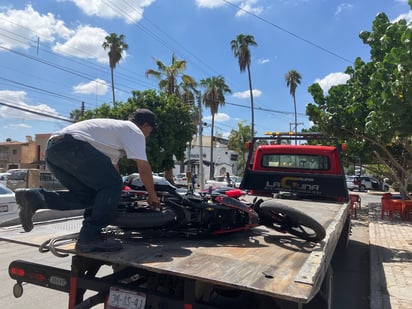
{"x":260,"y":268}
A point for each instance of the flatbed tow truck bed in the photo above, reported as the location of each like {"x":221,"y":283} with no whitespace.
{"x":260,"y":261}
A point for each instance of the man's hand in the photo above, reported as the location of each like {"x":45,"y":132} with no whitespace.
{"x":153,"y":202}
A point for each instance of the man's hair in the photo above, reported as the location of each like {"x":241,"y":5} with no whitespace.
{"x":142,"y":116}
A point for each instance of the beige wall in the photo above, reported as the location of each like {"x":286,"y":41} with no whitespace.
{"x":28,"y":154}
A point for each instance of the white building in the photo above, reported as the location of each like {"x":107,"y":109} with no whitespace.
{"x":224,"y":160}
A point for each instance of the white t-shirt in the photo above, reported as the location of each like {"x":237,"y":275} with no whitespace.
{"x":114,"y":138}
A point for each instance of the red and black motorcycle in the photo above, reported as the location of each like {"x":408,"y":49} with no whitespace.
{"x":212,"y":213}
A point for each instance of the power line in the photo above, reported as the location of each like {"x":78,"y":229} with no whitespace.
{"x":289,"y":32}
{"x":37,"y":113}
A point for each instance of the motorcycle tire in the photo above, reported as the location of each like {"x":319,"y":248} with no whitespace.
{"x":287,"y":219}
{"x":144,"y":220}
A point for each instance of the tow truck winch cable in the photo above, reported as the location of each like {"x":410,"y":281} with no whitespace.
{"x":51,"y":244}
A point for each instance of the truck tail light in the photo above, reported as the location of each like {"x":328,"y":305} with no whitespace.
{"x":43,"y":275}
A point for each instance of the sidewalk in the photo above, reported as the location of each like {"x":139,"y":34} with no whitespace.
{"x":390,"y":261}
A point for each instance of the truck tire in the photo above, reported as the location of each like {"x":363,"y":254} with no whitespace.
{"x":144,"y":219}
{"x":287,"y":219}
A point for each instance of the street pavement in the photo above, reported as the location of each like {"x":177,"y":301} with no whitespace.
{"x":390,"y":261}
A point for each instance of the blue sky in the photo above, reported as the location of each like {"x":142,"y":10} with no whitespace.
{"x":51,"y":57}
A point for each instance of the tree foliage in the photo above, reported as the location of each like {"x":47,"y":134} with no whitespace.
{"x":372,"y":110}
{"x":168,"y":77}
{"x":240,"y":49}
{"x":213,"y":97}
{"x":293,"y":79}
{"x":116,"y":46}
{"x":175,"y":127}
{"x":237,"y":140}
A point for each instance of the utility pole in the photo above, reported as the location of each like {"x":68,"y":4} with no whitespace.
{"x":201,"y":173}
{"x":296,"y":128}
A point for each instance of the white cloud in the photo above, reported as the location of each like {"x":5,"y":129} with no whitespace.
{"x":406,"y":16}
{"x":97,"y":87}
{"x":129,"y":10}
{"x":17,"y":99}
{"x":18,"y":126}
{"x":246,"y":94}
{"x":343,"y":7}
{"x":332,"y":79}
{"x":245,"y":5}
{"x":248,"y":6}
{"x":86,"y":43}
{"x":210,"y":4}
{"x":219,"y":117}
{"x":29,"y":26}
{"x":263,"y":60}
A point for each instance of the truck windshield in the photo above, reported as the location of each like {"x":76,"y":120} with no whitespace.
{"x":296,"y":161}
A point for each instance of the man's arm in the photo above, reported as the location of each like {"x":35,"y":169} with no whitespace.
{"x":145,"y":172}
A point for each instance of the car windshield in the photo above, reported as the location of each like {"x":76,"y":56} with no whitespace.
{"x":4,"y":190}
{"x":17,"y":175}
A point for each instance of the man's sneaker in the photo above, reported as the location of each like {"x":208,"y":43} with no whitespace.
{"x":29,"y":201}
{"x":99,"y":245}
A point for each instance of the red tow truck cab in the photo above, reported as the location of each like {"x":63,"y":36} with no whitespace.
{"x":298,"y":158}
{"x":304,"y":164}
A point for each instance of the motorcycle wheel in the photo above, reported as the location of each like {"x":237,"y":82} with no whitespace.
{"x":144,"y":220}
{"x":284,"y":218}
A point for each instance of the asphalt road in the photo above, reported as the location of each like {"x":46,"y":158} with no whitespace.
{"x":351,"y":271}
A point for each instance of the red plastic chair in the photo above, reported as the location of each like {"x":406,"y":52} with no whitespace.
{"x":390,"y":207}
{"x":406,"y":209}
{"x":354,"y":204}
{"x":356,"y":200}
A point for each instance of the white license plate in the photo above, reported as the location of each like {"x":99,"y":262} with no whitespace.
{"x":125,"y":299}
{"x":4,"y":208}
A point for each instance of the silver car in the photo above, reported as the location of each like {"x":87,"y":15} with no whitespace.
{"x":8,"y":205}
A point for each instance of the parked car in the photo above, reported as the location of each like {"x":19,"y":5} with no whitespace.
{"x":8,"y":205}
{"x":21,"y":178}
{"x":372,"y":183}
{"x":221,"y":181}
{"x":352,"y":182}
{"x":363,"y":183}
{"x":180,"y":180}
{"x":3,"y":178}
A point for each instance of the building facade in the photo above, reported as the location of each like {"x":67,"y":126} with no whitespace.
{"x":28,"y":154}
{"x":225,"y":160}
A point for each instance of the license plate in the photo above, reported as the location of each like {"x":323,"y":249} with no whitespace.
{"x":125,"y":299}
{"x":4,"y":208}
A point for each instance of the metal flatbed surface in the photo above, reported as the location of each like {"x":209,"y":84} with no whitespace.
{"x":261,"y":260}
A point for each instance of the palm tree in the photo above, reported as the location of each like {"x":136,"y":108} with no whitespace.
{"x":116,"y":46}
{"x":168,"y":82}
{"x":293,"y":79}
{"x":240,"y":48}
{"x":167,"y":75}
{"x":214,"y":97}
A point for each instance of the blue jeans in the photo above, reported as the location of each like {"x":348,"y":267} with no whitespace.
{"x":91,"y":179}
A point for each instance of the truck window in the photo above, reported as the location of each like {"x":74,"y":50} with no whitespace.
{"x":296,"y":161}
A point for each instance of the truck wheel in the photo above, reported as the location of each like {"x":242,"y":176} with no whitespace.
{"x":143,"y":219}
{"x":287,"y":219}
